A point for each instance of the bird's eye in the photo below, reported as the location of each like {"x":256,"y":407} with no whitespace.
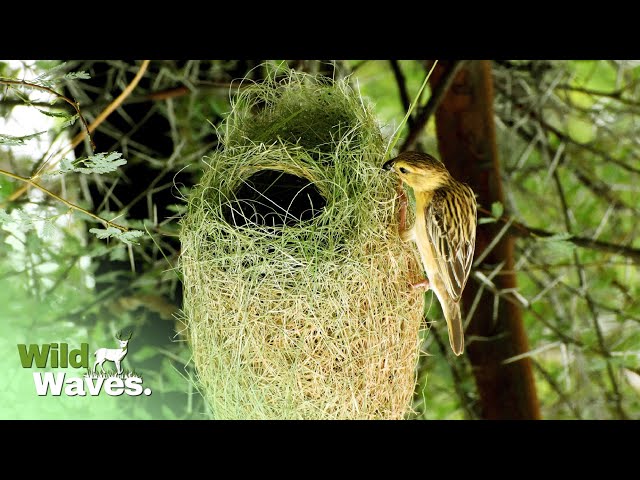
{"x":403,"y":170}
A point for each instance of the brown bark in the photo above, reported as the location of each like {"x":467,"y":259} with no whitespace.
{"x":467,"y":144}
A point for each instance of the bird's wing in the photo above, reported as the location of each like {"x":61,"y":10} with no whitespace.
{"x":451,"y":227}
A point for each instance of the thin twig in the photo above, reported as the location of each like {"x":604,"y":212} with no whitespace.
{"x":601,"y":189}
{"x":396,"y":136}
{"x":30,"y":182}
{"x":560,"y":134}
{"x":597,"y":187}
{"x":522,"y":230}
{"x":106,"y":112}
{"x":158,"y":95}
{"x":575,"y":291}
{"x":546,"y":266}
{"x":402,"y":89}
{"x":424,"y":114}
{"x":12,"y":102}
{"x":617,"y":399}
{"x":554,"y":385}
{"x":511,"y":298}
{"x":39,"y":168}
{"x":465,"y":399}
{"x":75,"y":105}
{"x":616,"y":94}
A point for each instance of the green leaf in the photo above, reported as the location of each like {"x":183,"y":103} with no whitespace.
{"x":70,"y":121}
{"x":48,"y":229}
{"x":580,"y":130}
{"x":11,"y":140}
{"x":581,"y":99}
{"x":99,"y":163}
{"x":23,"y":220}
{"x":130,"y":236}
{"x":4,"y":216}
{"x":594,"y":74}
{"x":103,"y":233}
{"x":176,"y":208}
{"x":53,"y":114}
{"x":126,"y":237}
{"x":497,"y":209}
{"x":48,"y":78}
{"x":82,"y":75}
{"x":483,"y":220}
{"x":66,"y":165}
{"x":557,"y":247}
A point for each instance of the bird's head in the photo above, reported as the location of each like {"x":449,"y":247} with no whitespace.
{"x":420,"y":171}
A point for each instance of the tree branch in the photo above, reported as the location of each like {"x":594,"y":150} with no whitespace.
{"x":466,"y":402}
{"x":424,"y":113}
{"x":522,"y":230}
{"x":15,"y":102}
{"x":514,"y":300}
{"x":104,"y":114}
{"x":617,"y":399}
{"x":465,"y":130}
{"x":402,"y":89}
{"x":598,"y":187}
{"x":75,"y":105}
{"x":39,"y":167}
{"x":554,"y":385}
{"x":562,"y":135}
{"x":30,"y":182}
{"x":615,"y":95}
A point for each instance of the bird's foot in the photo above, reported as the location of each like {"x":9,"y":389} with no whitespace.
{"x":421,"y":284}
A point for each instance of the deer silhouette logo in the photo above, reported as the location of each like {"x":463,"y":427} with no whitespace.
{"x":115,"y":355}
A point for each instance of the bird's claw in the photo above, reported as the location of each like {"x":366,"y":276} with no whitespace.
{"x":421,"y":284}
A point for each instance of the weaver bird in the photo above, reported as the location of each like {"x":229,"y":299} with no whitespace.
{"x":444,"y":231}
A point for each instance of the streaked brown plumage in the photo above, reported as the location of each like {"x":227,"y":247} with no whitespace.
{"x":444,"y":231}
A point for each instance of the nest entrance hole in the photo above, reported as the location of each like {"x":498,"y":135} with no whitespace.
{"x":272,"y":198}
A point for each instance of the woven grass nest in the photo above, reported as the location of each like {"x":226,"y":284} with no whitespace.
{"x":296,"y":294}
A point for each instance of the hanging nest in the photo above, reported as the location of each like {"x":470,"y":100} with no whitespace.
{"x":296,"y":295}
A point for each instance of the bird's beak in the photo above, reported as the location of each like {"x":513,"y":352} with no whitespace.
{"x":388,"y":165}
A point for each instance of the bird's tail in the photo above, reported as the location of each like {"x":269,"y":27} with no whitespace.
{"x":453,"y":317}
